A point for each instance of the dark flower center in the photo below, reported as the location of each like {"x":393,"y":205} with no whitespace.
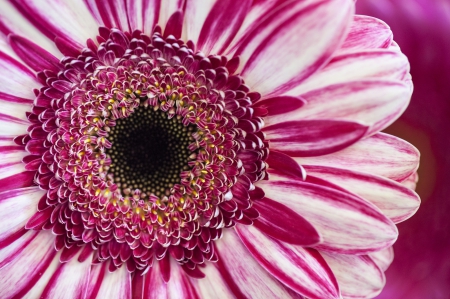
{"x":149,"y":151}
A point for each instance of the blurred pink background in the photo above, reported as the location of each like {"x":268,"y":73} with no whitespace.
{"x":421,"y":269}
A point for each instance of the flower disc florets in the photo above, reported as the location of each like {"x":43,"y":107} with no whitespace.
{"x":148,"y":148}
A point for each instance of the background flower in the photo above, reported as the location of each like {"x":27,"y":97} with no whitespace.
{"x":421,"y":268}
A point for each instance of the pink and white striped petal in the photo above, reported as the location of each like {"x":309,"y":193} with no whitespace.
{"x":212,"y":285}
{"x":220,"y":25}
{"x":380,"y":63}
{"x":167,"y":9}
{"x":143,"y":14}
{"x":305,"y":138}
{"x":16,"y":207}
{"x":68,"y":20}
{"x":308,"y":36}
{"x":383,"y":258}
{"x":108,"y":13}
{"x":26,"y":264}
{"x":17,"y":81}
{"x":395,"y":200}
{"x":244,"y":275}
{"x":411,"y":181}
{"x":13,"y":22}
{"x":105,"y":284}
{"x":301,"y":269}
{"x":367,"y":33}
{"x":11,"y":161}
{"x":334,"y":214}
{"x":279,"y":222}
{"x":381,"y":154}
{"x":358,"y":276}
{"x":376,"y":103}
{"x":70,"y":280}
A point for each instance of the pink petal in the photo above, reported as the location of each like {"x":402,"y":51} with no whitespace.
{"x":302,"y":270}
{"x":305,"y":138}
{"x":109,"y":13}
{"x":221,"y":25}
{"x":69,"y":280}
{"x":16,"y":207}
{"x":281,"y":223}
{"x":285,"y":164}
{"x":143,"y":14}
{"x":167,"y":9}
{"x":34,"y":56}
{"x":69,"y":20}
{"x":367,"y":33}
{"x":376,"y":103}
{"x":280,"y":105}
{"x":334,"y":214}
{"x":26,"y":263}
{"x":243,"y":275}
{"x":380,"y":154}
{"x":358,"y":276}
{"x":19,"y":180}
{"x":365,"y":64}
{"x":383,"y":258}
{"x":305,"y":33}
{"x":394,"y":200}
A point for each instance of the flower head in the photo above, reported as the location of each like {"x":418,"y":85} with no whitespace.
{"x":217,"y":150}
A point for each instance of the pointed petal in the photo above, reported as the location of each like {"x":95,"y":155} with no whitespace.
{"x":376,"y":103}
{"x":221,"y":25}
{"x":34,"y":56}
{"x":380,"y":154}
{"x":307,"y":34}
{"x":26,"y":264}
{"x":281,"y":223}
{"x":69,"y":20}
{"x":382,"y":64}
{"x":243,"y":275}
{"x":367,"y":33}
{"x":16,"y":207}
{"x":109,"y":13}
{"x":167,"y":9}
{"x":358,"y":276}
{"x":395,"y":200}
{"x":334,"y":214}
{"x":305,"y":138}
{"x":383,"y":258}
{"x":70,"y":280}
{"x":143,"y":14}
{"x":302,"y":270}
{"x":285,"y":164}
{"x":280,"y":105}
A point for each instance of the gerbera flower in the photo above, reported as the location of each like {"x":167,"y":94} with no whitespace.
{"x":214,"y":150}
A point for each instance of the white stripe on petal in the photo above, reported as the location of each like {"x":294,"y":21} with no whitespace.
{"x":300,"y":269}
{"x":195,"y":16}
{"x":380,"y":154}
{"x":17,"y":80}
{"x":243,"y":275}
{"x":16,"y":207}
{"x":109,"y":13}
{"x":143,"y":14}
{"x":376,"y":103}
{"x":70,"y":280}
{"x":116,"y":284}
{"x":11,"y":160}
{"x":384,"y":64}
{"x":347,"y":223}
{"x":383,"y":258}
{"x":396,"y":201}
{"x":292,"y":51}
{"x":212,"y":285}
{"x":358,"y":276}
{"x":29,"y":262}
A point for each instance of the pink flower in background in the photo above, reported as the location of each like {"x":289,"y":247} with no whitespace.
{"x":421,"y":268}
{"x":165,"y":149}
